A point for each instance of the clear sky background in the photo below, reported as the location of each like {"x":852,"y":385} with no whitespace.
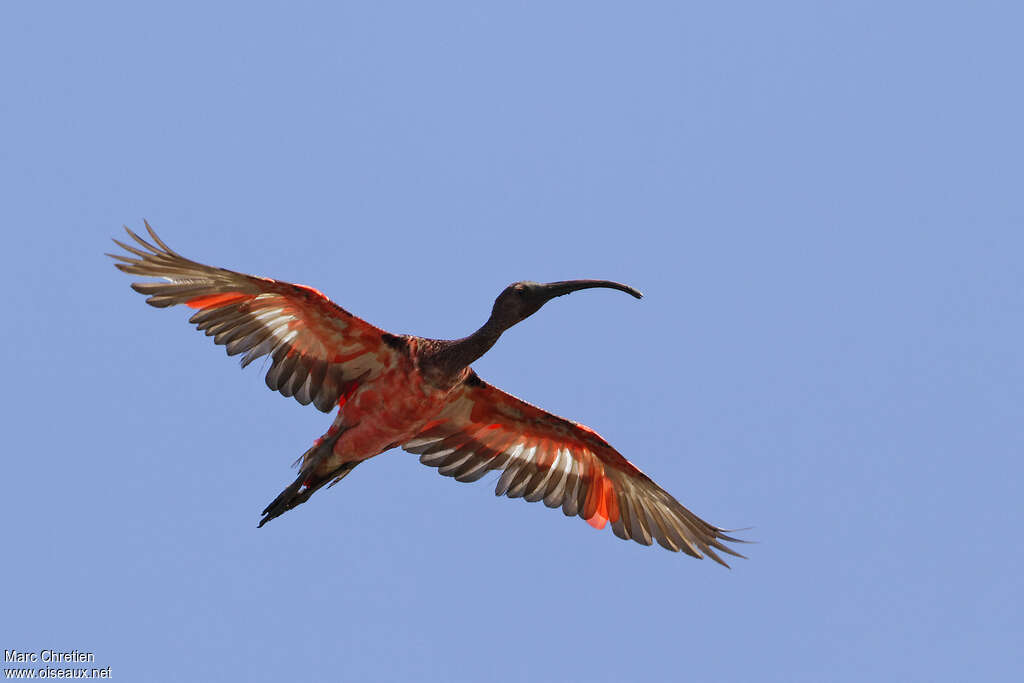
{"x":822,"y":202}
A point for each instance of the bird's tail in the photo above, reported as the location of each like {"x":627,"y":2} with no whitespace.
{"x":309,"y":480}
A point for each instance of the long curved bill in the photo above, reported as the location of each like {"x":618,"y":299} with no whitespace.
{"x":553,"y":289}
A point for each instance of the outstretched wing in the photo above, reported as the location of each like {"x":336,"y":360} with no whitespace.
{"x":318,"y":350}
{"x":545,"y":457}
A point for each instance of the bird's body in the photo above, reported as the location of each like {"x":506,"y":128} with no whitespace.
{"x":418,"y":394}
{"x":388,"y":411}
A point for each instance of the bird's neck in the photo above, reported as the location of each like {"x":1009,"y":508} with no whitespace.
{"x":459,"y":354}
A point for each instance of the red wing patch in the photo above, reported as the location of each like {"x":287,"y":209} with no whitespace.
{"x":217,"y":300}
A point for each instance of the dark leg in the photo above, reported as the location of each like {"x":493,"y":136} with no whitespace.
{"x":308,"y":482}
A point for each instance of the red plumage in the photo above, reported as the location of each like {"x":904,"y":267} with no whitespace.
{"x":418,"y":394}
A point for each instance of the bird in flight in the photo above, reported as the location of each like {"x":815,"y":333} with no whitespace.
{"x":418,"y":394}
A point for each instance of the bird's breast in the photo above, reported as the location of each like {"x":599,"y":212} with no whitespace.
{"x":386,"y":412}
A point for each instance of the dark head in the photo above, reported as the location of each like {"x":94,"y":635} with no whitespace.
{"x":520,"y":300}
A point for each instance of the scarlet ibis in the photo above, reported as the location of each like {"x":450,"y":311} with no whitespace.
{"x":418,"y":394}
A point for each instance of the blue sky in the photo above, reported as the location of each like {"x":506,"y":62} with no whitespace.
{"x":821,"y":201}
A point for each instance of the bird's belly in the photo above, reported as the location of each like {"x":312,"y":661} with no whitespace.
{"x":386,"y":413}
